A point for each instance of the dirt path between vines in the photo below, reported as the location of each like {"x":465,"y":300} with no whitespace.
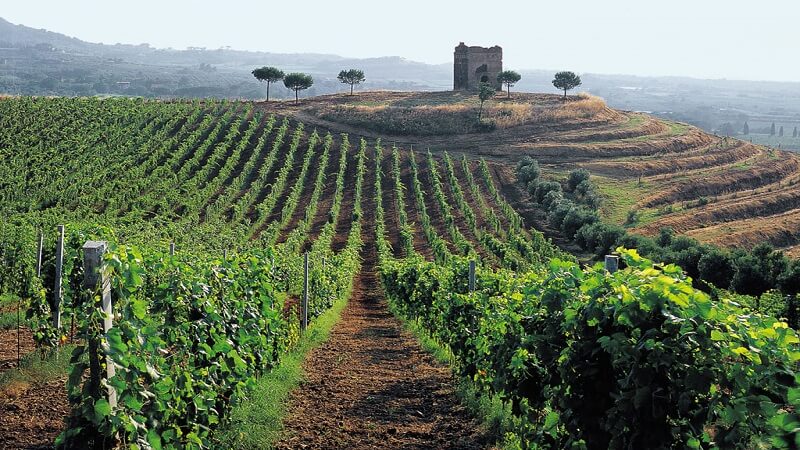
{"x":371,"y":385}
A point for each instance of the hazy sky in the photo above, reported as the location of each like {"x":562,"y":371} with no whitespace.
{"x":734,"y":39}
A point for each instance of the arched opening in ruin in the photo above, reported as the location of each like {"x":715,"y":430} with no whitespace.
{"x":480,"y":74}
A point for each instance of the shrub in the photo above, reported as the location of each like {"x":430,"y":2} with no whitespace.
{"x":632,"y":218}
{"x":584,"y":187}
{"x":525,"y":161}
{"x":576,"y":218}
{"x":531,"y":187}
{"x":664,"y":237}
{"x":645,"y":245}
{"x":591,"y":200}
{"x":529,"y":172}
{"x":551,"y":198}
{"x":716,"y":267}
{"x":749,"y":278}
{"x":789,"y":280}
{"x":543,"y":188}
{"x":558,"y":211}
{"x":599,"y":238}
{"x":575,"y":178}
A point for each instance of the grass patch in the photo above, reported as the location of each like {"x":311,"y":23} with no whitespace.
{"x":620,"y":196}
{"x":8,"y":312}
{"x":8,"y":320}
{"x":674,"y":129}
{"x":490,"y":409}
{"x":257,"y":423}
{"x":33,"y":369}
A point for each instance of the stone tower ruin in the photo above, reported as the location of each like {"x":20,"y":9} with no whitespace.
{"x":474,"y":65}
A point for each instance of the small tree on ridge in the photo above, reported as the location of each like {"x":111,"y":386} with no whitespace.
{"x":268,"y":74}
{"x":509,"y":78}
{"x":351,"y":77}
{"x":297,"y":82}
{"x":566,"y":80}
{"x":485,"y":92}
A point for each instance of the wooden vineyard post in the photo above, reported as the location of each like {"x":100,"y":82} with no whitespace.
{"x":304,"y":301}
{"x":472,"y":276}
{"x":19,"y":330}
{"x":171,"y":249}
{"x":93,"y":278}
{"x":57,"y":284}
{"x":612,"y":263}
{"x":39,"y":256}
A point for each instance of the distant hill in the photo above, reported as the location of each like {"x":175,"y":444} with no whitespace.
{"x":41,"y":62}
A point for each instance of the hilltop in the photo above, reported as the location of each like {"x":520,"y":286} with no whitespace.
{"x":719,"y":190}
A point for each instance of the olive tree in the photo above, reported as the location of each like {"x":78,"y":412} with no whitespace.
{"x":351,"y":77}
{"x":268,"y":74}
{"x":566,"y":81}
{"x":297,"y":82}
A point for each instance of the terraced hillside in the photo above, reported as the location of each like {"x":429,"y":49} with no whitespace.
{"x":719,"y":190}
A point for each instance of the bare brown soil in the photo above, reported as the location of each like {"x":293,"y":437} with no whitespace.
{"x":32,"y":415}
{"x":730,"y":210}
{"x":659,"y":165}
{"x":765,"y":172}
{"x":780,"y":230}
{"x":611,"y":132}
{"x":8,"y":346}
{"x":371,"y":385}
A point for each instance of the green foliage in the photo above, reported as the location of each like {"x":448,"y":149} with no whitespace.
{"x":716,"y":267}
{"x":543,"y":188}
{"x":508,"y":78}
{"x":297,"y":82}
{"x":632,"y":218}
{"x":528,"y":170}
{"x":566,"y":81}
{"x":599,"y":238}
{"x":351,"y":77}
{"x":406,"y":230}
{"x":485,"y":92}
{"x":576,"y":177}
{"x":189,"y":340}
{"x":268,"y":74}
{"x":637,"y":359}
